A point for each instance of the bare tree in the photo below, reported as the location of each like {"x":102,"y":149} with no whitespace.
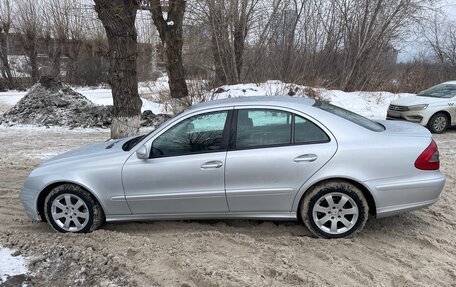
{"x":229,"y":22}
{"x":168,"y":20}
{"x":78,"y":27}
{"x":56,"y":16}
{"x":5,"y":26}
{"x":29,"y":25}
{"x":441,"y":38}
{"x":370,"y":27}
{"x":118,"y":18}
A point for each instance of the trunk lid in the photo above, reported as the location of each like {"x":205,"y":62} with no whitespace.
{"x":403,"y":128}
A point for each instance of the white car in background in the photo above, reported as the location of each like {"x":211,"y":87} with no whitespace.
{"x":434,"y":108}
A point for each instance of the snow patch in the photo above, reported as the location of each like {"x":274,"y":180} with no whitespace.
{"x":11,"y":98}
{"x":99,"y":96}
{"x":11,"y":265}
{"x":372,"y":105}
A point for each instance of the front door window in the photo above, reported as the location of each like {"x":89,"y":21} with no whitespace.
{"x":198,"y":134}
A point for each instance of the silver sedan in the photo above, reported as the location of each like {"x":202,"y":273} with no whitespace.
{"x":273,"y":158}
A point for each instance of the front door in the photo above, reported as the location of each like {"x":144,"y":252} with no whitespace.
{"x":185,"y":172}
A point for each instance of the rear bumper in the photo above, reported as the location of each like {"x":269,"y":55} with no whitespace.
{"x":399,"y":196}
{"x":398,"y":209}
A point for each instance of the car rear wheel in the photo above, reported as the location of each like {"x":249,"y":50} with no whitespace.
{"x":438,"y":123}
{"x":334,"y":209}
{"x":69,"y":208}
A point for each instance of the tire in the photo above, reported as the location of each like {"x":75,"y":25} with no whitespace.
{"x":330,"y":220}
{"x":438,"y":123}
{"x":69,"y":208}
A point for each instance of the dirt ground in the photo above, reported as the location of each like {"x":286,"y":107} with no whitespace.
{"x":414,"y":249}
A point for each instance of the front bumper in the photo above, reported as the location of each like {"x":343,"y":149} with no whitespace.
{"x":401,"y":195}
{"x":29,"y":199}
{"x":405,"y":116}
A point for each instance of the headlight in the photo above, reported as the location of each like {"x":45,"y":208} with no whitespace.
{"x":418,"y":107}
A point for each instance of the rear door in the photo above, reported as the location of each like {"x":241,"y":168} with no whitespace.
{"x":272,"y":154}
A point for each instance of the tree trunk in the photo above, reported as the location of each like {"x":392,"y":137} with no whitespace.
{"x":239,"y":44}
{"x":32,"y":53}
{"x":6,"y":68}
{"x":54,"y":51}
{"x":222,"y":50}
{"x":118,"y":18}
{"x":170,"y":31}
{"x":73,"y":56}
{"x":56,"y":58}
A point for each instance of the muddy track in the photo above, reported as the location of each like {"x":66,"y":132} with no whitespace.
{"x":414,"y":249}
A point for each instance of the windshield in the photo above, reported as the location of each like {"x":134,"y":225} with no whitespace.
{"x":444,"y":91}
{"x":353,"y":117}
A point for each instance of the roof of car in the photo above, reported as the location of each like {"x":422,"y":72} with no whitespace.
{"x":450,"y":83}
{"x":254,"y":100}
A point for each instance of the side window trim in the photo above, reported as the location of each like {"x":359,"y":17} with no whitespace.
{"x":226,"y":131}
{"x":292,"y":140}
{"x":225,"y":134}
{"x":233,"y":131}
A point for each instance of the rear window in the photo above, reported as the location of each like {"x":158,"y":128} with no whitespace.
{"x":351,"y":116}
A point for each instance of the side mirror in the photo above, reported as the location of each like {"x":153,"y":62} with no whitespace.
{"x":142,"y":153}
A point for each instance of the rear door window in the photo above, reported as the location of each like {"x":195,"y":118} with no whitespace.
{"x":257,"y":128}
{"x":261,"y":128}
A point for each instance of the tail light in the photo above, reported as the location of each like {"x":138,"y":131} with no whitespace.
{"x":429,"y":158}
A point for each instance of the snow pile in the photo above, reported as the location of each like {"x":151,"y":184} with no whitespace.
{"x":268,"y":88}
{"x":10,"y":265}
{"x":49,"y":103}
{"x":149,"y":119}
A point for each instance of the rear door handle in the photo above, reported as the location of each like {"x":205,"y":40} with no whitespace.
{"x":212,"y":164}
{"x":306,"y":157}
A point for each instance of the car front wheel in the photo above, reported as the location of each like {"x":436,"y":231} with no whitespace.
{"x":69,"y":208}
{"x":334,"y":209}
{"x":438,"y":123}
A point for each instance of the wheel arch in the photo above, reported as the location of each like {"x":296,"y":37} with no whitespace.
{"x":442,"y":112}
{"x":366,"y":192}
{"x":42,"y":196}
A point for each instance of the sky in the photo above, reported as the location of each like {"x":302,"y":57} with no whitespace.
{"x":411,"y":47}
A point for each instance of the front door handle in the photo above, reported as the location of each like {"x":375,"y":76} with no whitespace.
{"x":306,"y":157}
{"x":212,"y":164}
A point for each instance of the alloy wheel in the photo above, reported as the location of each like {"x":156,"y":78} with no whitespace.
{"x":335,"y":213}
{"x":440,"y":124}
{"x":70,"y":212}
